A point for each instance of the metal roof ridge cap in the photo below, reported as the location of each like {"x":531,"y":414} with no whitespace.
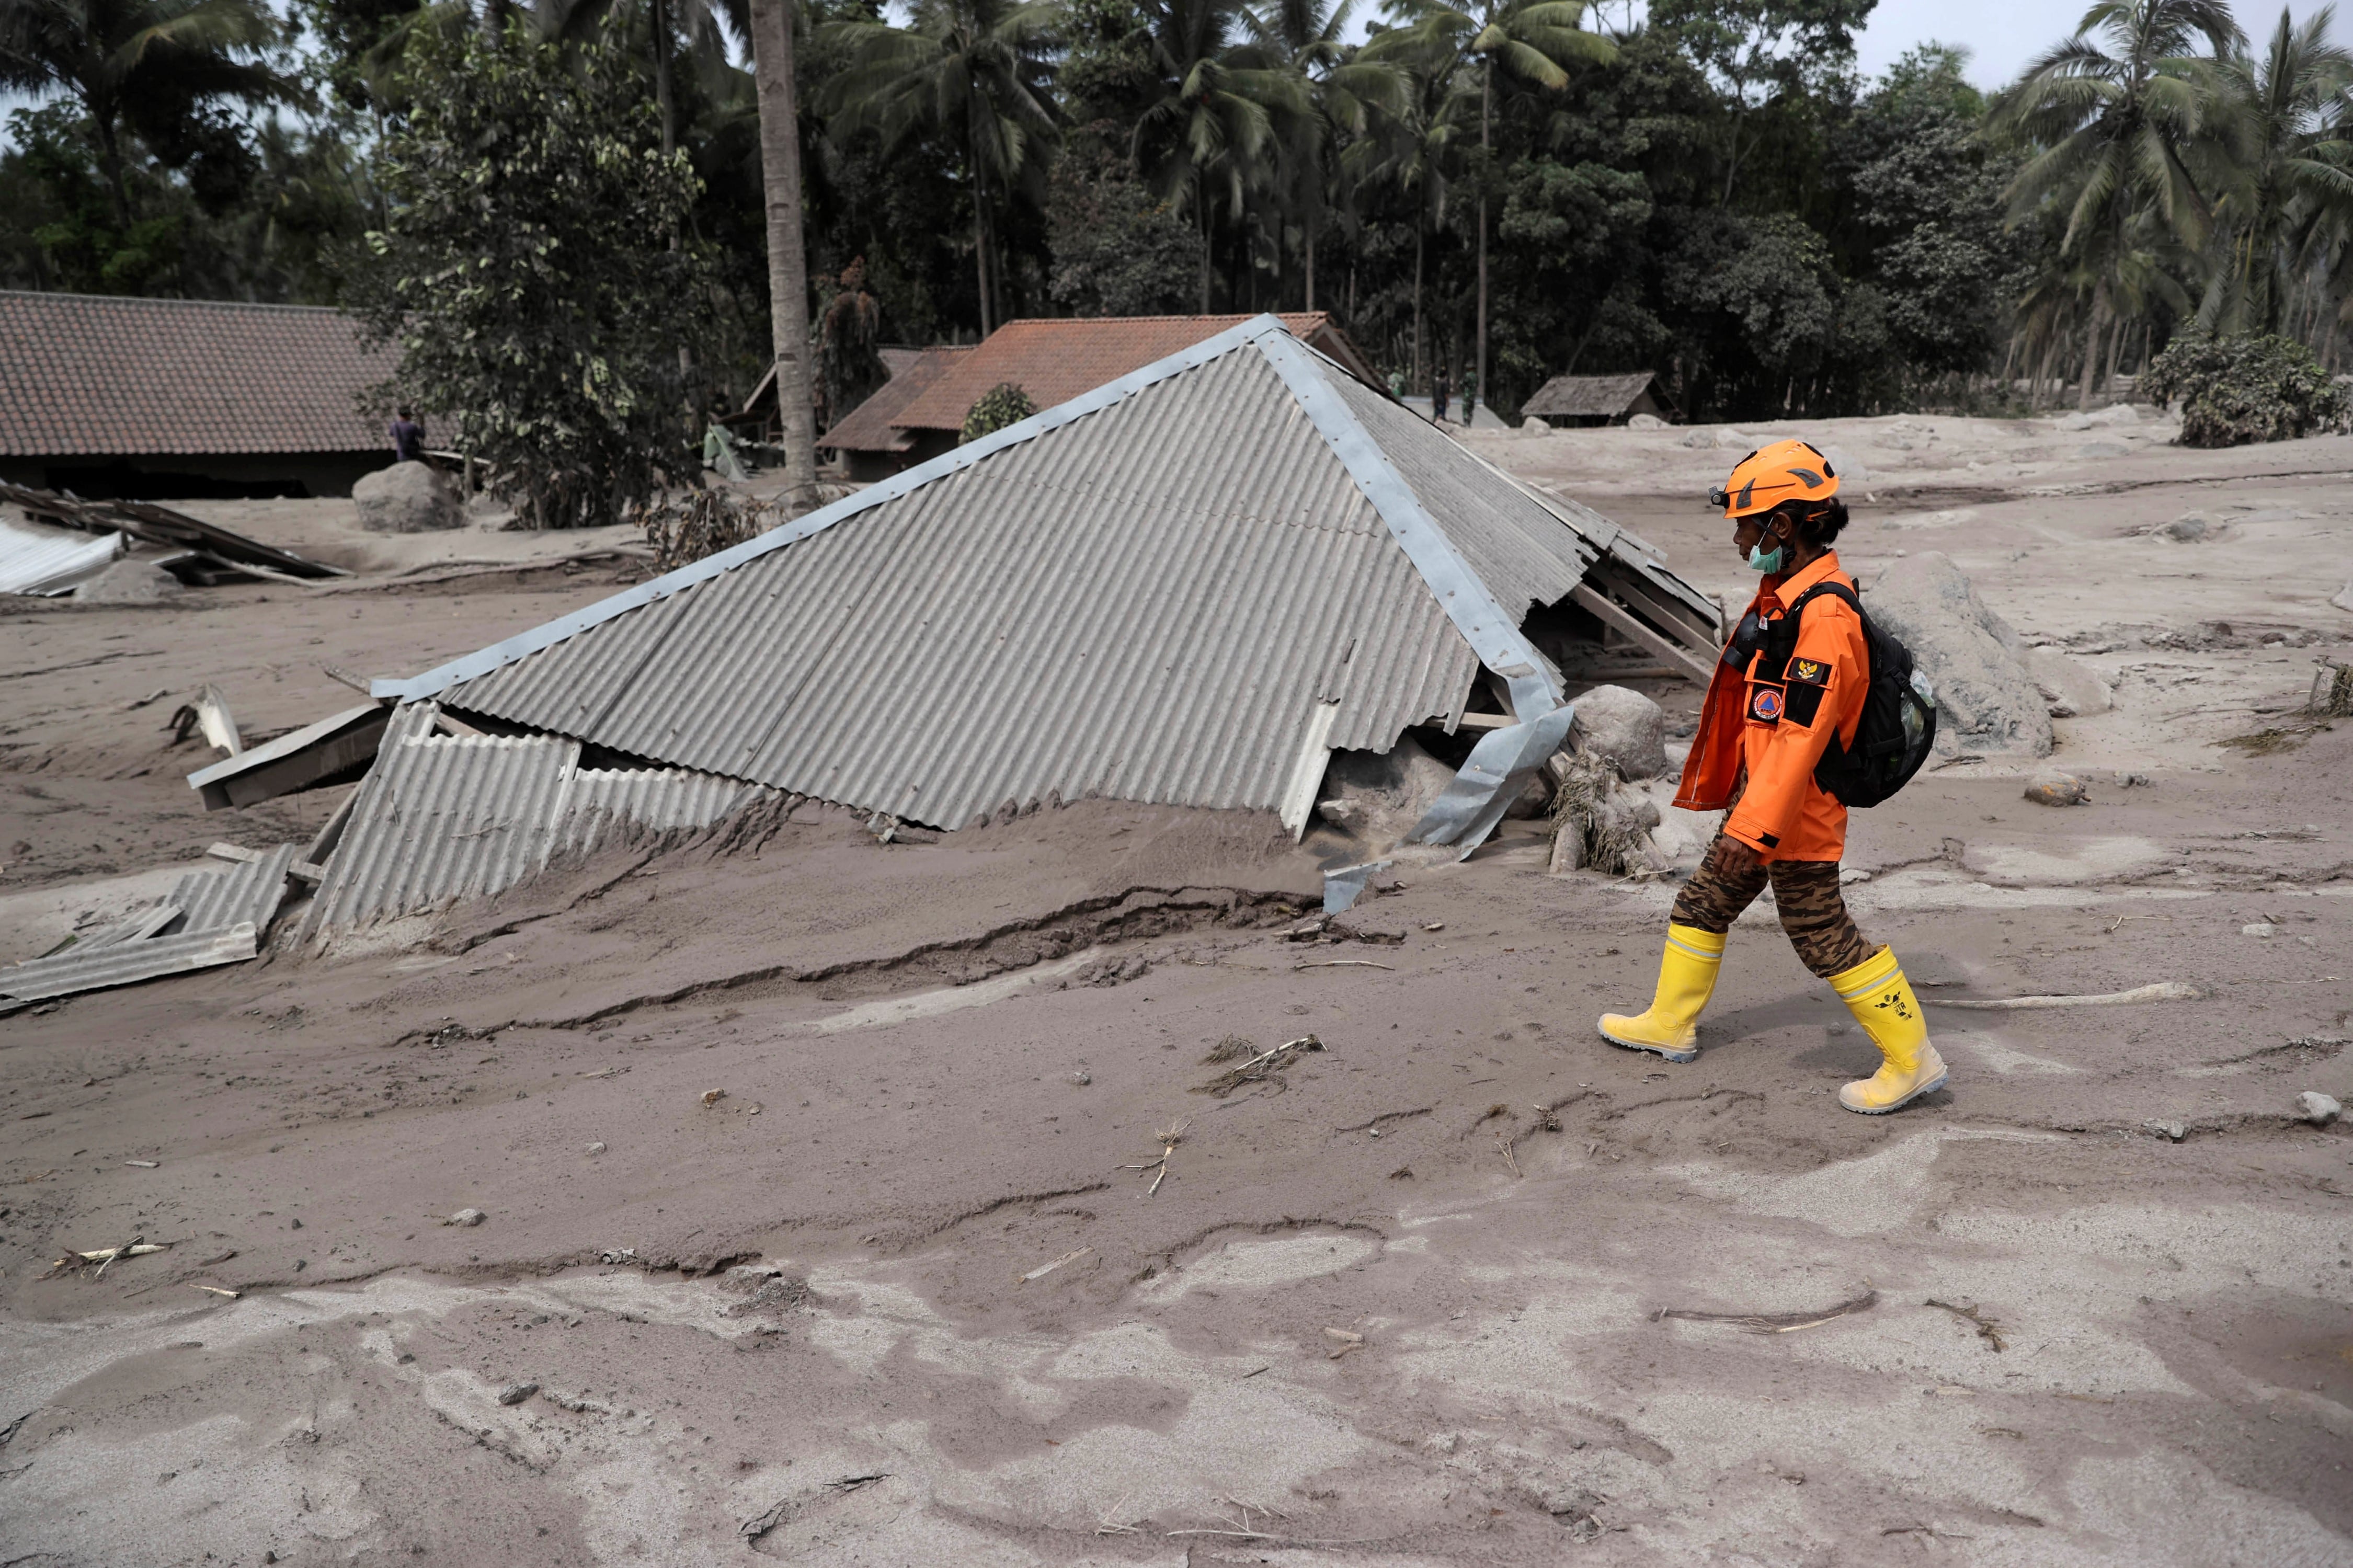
{"x":548,"y":634}
{"x":1461,"y":592}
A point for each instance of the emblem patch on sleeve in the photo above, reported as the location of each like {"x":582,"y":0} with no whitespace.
{"x":1809,"y":672}
{"x":1765,"y":704}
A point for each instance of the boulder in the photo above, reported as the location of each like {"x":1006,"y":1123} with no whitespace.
{"x":2114,"y":413}
{"x":1377,"y":796}
{"x":2070,"y":688}
{"x":1849,"y":471}
{"x":1645,"y":422}
{"x":1986,"y":700}
{"x":2049,"y":786}
{"x":130,"y":582}
{"x":2317,"y":1108}
{"x":1624,"y":726}
{"x":2189,"y":527}
{"x":408,"y":498}
{"x":2104,"y":448}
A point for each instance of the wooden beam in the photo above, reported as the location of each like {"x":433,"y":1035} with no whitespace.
{"x":1676,"y":617}
{"x":1615,"y":615}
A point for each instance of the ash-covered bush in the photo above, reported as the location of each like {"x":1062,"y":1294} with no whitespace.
{"x":2236,"y":390}
{"x":1002,"y":404}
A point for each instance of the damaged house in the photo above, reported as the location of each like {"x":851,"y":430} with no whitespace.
{"x":1203,"y":584}
{"x":1192,"y":586}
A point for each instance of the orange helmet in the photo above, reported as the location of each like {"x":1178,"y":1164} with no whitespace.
{"x":1786,"y":470}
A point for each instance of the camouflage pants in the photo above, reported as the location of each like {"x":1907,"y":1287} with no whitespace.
{"x":1806,"y":892}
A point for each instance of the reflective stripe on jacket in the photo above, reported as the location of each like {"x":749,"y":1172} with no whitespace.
{"x":1775,"y":724}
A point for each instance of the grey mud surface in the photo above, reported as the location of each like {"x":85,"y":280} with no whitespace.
{"x":1400,"y":1302}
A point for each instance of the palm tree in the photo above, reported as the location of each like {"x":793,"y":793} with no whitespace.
{"x":1532,"y":40}
{"x":2283,"y":165}
{"x":1410,"y":147}
{"x":975,"y":71}
{"x":2118,"y":127}
{"x":1305,"y":37}
{"x":142,"y":65}
{"x":1209,"y":138}
{"x":780,"y":172}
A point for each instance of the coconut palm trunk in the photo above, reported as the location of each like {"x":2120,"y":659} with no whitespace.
{"x":1479,"y":387}
{"x":780,"y":171}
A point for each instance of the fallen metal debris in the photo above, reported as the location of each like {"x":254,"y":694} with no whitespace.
{"x":214,"y":552}
{"x":46,"y":562}
{"x":441,"y":817}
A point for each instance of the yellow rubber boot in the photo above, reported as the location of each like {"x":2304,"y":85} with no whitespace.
{"x":1882,"y":1001}
{"x":1686,"y":980}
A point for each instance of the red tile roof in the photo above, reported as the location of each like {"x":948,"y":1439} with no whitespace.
{"x":869,"y":427}
{"x":83,"y":374}
{"x":1055,"y":359}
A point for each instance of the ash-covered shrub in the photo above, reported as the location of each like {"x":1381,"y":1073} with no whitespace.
{"x":2236,"y":390}
{"x":1002,"y":404}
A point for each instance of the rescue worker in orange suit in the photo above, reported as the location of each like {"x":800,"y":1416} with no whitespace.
{"x":1761,"y":733}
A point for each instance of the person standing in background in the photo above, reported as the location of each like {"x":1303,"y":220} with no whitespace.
{"x":1437,"y":390}
{"x":407,"y":437}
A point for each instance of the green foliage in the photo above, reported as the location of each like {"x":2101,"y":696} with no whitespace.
{"x":1002,"y":404}
{"x":1118,"y":249}
{"x":526,"y":274}
{"x":2236,"y":390}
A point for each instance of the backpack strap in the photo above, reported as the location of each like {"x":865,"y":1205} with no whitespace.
{"x":1781,"y":644}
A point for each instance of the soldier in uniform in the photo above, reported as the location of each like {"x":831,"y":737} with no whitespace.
{"x":1761,"y":733}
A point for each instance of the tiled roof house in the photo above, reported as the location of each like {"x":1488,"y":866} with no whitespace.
{"x":161,"y":398}
{"x":919,"y":412}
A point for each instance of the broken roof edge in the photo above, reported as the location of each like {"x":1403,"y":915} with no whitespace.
{"x":1493,"y":631}
{"x":523,"y":644}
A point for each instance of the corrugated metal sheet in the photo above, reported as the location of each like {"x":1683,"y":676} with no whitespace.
{"x":218,"y":916}
{"x":35,"y":560}
{"x":1146,"y":593}
{"x":442,"y":817}
{"x":445,"y":817}
{"x":121,"y":964}
{"x":1149,"y":604}
{"x":1524,"y":553}
{"x":246,"y":893}
{"x":604,"y":800}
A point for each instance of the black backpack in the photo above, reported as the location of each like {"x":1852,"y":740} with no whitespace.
{"x":1899,"y":710}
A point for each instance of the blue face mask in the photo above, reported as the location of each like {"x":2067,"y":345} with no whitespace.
{"x":1762,"y":562}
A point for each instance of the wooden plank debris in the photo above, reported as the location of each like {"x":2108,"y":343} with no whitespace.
{"x":316,"y":754}
{"x":1615,"y":615}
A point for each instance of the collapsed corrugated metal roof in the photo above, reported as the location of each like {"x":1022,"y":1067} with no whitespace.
{"x":211,"y":918}
{"x":47,"y":561}
{"x":1187,"y":587}
{"x":444,"y":817}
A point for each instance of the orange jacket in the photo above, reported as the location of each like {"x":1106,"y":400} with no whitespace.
{"x":1775,"y":724}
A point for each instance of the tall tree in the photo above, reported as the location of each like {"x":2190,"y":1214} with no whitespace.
{"x":1208,"y":136}
{"x":154,"y":68}
{"x":2283,"y":164}
{"x":2119,"y":110}
{"x":976,"y":71}
{"x":1761,"y":50}
{"x":780,"y":172}
{"x":1458,"y":44}
{"x":1305,"y":37}
{"x":524,"y":274}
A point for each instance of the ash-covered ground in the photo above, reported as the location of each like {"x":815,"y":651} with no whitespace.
{"x":997,"y":1245}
